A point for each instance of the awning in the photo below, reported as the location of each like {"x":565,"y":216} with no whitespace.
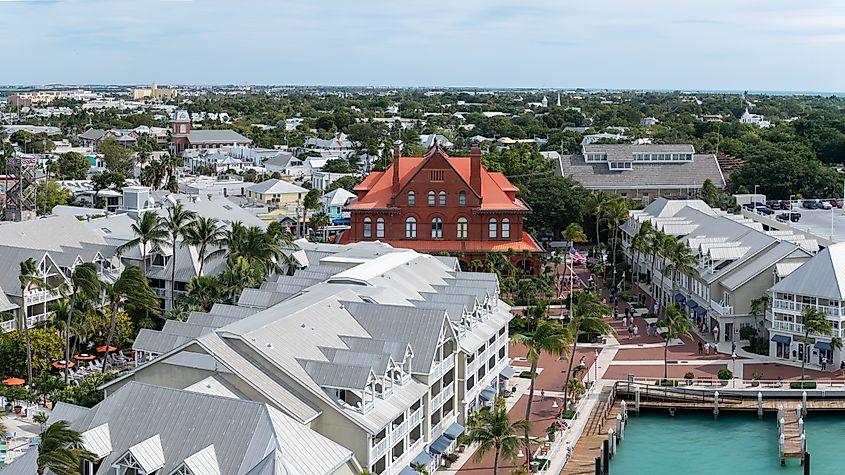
{"x":679,"y":297}
{"x":440,"y":445}
{"x":823,"y":345}
{"x":487,"y":394}
{"x":700,"y":310}
{"x":781,"y":339}
{"x":423,"y":457}
{"x":507,"y":373}
{"x":692,"y":303}
{"x":408,"y":471}
{"x":453,"y":431}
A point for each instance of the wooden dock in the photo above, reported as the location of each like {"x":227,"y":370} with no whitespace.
{"x":603,"y":417}
{"x":792,"y":446}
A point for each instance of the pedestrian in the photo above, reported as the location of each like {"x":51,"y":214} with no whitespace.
{"x":700,"y":347}
{"x":630,"y":332}
{"x":625,"y":321}
{"x":824,"y":363}
{"x":636,"y":330}
{"x":706,"y":347}
{"x":842,"y":366}
{"x":715,"y":333}
{"x":656,"y":308}
{"x":542,"y":394}
{"x":583,"y":361}
{"x":733,"y":347}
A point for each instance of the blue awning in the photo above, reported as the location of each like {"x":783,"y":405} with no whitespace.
{"x":823,"y":345}
{"x":692,"y":303}
{"x":487,"y":394}
{"x":409,"y":471}
{"x":781,"y":339}
{"x":507,"y":373}
{"x":700,"y":310}
{"x":440,"y":445}
{"x":679,"y":297}
{"x":453,"y":431}
{"x":423,"y":457}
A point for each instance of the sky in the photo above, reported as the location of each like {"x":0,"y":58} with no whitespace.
{"x":776,"y":45}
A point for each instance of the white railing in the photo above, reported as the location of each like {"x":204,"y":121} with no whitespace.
{"x":33,"y":320}
{"x":160,"y":292}
{"x":798,"y":307}
{"x":448,"y":391}
{"x":798,"y":328}
{"x":398,"y":432}
{"x":444,"y":366}
{"x":574,"y":430}
{"x":721,"y":309}
{"x":8,"y":325}
{"x":416,"y":417}
{"x":379,"y":448}
{"x":41,"y":295}
{"x":437,"y":400}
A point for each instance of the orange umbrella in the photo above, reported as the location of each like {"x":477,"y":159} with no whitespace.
{"x":84,"y":357}
{"x":14,"y":382}
{"x":102,"y":349}
{"x":61,"y":364}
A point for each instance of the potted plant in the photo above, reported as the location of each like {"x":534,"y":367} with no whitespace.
{"x":16,"y":394}
{"x":688,"y":376}
{"x":449,"y":459}
{"x":725,"y":375}
{"x":755,"y":378}
{"x":462,"y":441}
{"x":551,"y":431}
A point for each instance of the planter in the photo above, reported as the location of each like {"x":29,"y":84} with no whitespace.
{"x":724,"y":382}
{"x":754,"y":384}
{"x":552,"y":436}
{"x":48,"y":405}
{"x":18,"y":409}
{"x":8,"y":408}
{"x":689,"y":382}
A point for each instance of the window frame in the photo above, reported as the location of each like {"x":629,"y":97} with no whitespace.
{"x":379,"y":227}
{"x":412,"y":198}
{"x":441,"y":198}
{"x":462,"y":228}
{"x":462,"y":198}
{"x":432,"y":198}
{"x":506,"y":228}
{"x":368,"y":228}
{"x":410,"y":227}
{"x":492,"y":228}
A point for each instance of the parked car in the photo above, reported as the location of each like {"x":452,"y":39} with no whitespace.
{"x":774,"y":204}
{"x":825,"y":205}
{"x":810,"y":204}
{"x":784,"y":217}
{"x":836,"y":203}
{"x":785,"y":204}
{"x":765,"y":210}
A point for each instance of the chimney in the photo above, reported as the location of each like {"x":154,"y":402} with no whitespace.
{"x":397,"y":152}
{"x":475,"y":169}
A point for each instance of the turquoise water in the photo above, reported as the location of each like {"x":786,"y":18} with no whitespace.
{"x":693,"y":443}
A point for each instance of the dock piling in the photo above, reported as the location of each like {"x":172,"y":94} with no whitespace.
{"x":759,"y":405}
{"x":804,"y":402}
{"x":637,"y":399}
{"x":620,"y":427}
{"x":612,"y":441}
{"x":716,"y":404}
{"x":605,"y":457}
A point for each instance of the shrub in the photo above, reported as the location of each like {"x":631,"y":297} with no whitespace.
{"x":569,"y":415}
{"x":689,"y":375}
{"x":525,"y":374}
{"x":667,"y":383}
{"x":725,"y":374}
{"x":746,"y":333}
{"x":802,"y":385}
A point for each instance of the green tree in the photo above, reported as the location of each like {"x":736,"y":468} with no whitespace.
{"x":347,"y":182}
{"x":205,"y":234}
{"x":639,"y":246}
{"x":493,"y":431}
{"x":677,"y":325}
{"x":759,"y":306}
{"x":61,"y":450}
{"x":176,"y":223}
{"x":131,"y":290}
{"x":555,"y":202}
{"x":337,"y":165}
{"x":814,"y":321}
{"x":116,"y":157}
{"x":106,"y":180}
{"x":86,"y":392}
{"x":616,"y":213}
{"x":586,"y":316}
{"x":73,"y":166}
{"x":204,"y":291}
{"x":595,"y":205}
{"x":29,"y":278}
{"x":84,"y":283}
{"x":50,"y":194}
{"x":574,"y":233}
{"x":148,"y":230}
{"x":548,"y":337}
{"x":681,"y":261}
{"x":709,"y":193}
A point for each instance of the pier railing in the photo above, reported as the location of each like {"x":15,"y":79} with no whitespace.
{"x":674,"y":393}
{"x":711,"y":384}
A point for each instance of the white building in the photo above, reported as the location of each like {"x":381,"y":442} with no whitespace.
{"x":756,"y":119}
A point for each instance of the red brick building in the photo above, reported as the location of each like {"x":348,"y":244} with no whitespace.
{"x":437,"y":203}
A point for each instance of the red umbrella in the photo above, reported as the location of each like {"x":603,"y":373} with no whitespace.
{"x":14,"y":382}
{"x":102,"y":349}
{"x":84,"y":357}
{"x":61,"y":364}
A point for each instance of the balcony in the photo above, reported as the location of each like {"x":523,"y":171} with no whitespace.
{"x":42,"y":295}
{"x":798,"y":328}
{"x":416,"y":417}
{"x":797,"y":308}
{"x":379,"y":448}
{"x":721,"y":309}
{"x":448,"y":391}
{"x":444,"y":366}
{"x":7,"y":326}
{"x":160,"y":292}
{"x":33,"y":320}
{"x":398,"y":432}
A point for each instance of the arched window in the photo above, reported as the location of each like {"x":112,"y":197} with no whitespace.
{"x":412,"y":198}
{"x":411,"y":228}
{"x":462,"y":228}
{"x":462,"y":198}
{"x":368,"y":227}
{"x":442,"y":201}
{"x":431,"y":198}
{"x":436,"y":228}
{"x":506,"y":228}
{"x":491,"y":228}
{"x":380,"y":227}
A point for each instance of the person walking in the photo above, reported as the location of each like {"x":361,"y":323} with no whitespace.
{"x":824,"y":363}
{"x":700,"y":347}
{"x":542,"y":394}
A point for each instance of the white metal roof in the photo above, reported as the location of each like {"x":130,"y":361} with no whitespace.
{"x":98,"y":440}
{"x":203,"y":462}
{"x":148,"y":454}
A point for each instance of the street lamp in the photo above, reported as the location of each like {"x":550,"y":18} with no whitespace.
{"x":755,"y":190}
{"x":791,"y":207}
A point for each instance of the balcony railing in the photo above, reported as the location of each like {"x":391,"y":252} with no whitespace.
{"x":398,"y":432}
{"x":41,"y":295}
{"x":416,"y":417}
{"x":798,"y":328}
{"x":448,"y":391}
{"x":721,"y":309}
{"x":798,"y":307}
{"x":379,"y":448}
{"x":159,"y":291}
{"x":8,"y":325}
{"x":33,"y":320}
{"x":444,"y":366}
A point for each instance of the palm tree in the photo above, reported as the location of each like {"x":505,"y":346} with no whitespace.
{"x":548,"y":337}
{"x":28,"y":277}
{"x":616,"y":213}
{"x":84,"y":283}
{"x":814,"y":322}
{"x":177,"y":222}
{"x":594,"y":206}
{"x":639,"y":246}
{"x":492,"y":430}
{"x":204,"y":234}
{"x":419,"y":467}
{"x":61,"y":450}
{"x":148,"y":230}
{"x":677,"y":325}
{"x":681,"y":260}
{"x":204,"y":291}
{"x":574,"y":233}
{"x":133,"y":291}
{"x":759,"y":307}
{"x":586,"y":316}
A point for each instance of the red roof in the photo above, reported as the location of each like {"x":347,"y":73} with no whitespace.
{"x":527,"y":244}
{"x":379,"y":185}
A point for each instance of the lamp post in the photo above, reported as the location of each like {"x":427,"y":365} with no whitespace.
{"x":791,"y":207}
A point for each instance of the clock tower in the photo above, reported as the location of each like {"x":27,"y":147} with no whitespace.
{"x":180,"y":128}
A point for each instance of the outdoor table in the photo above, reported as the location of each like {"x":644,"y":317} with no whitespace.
{"x":662,"y":330}
{"x":651,"y":321}
{"x":639,"y":311}
{"x":85,"y":357}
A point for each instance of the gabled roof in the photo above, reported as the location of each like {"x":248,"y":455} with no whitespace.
{"x":274,"y":186}
{"x":822,"y":276}
{"x":216,"y":136}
